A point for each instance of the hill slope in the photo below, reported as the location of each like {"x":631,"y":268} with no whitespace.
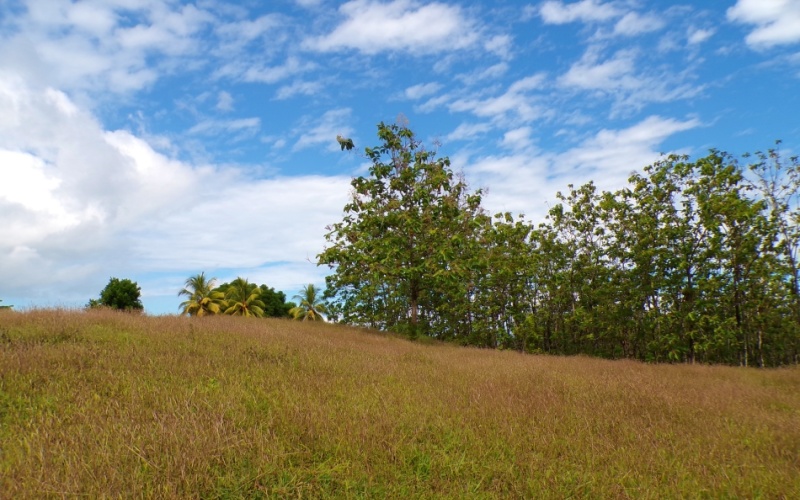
{"x":109,"y":404}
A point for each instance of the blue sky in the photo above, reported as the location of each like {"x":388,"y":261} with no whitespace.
{"x":154,"y":139}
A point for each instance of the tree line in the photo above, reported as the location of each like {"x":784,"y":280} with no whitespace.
{"x":691,"y":261}
{"x":204,"y":297}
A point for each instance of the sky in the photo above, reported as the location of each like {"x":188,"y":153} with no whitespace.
{"x":156,"y":139}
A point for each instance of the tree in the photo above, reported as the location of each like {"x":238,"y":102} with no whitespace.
{"x":393,"y":253}
{"x":5,"y":308}
{"x":243,"y":299}
{"x":202,"y":300}
{"x":275,"y":305}
{"x":121,"y":294}
{"x":310,"y":308}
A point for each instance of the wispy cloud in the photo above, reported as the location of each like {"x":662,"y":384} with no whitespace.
{"x":370,"y":27}
{"x":633,"y":23}
{"x":516,"y":103}
{"x":421,"y":90}
{"x":557,"y":12}
{"x":214,"y":127}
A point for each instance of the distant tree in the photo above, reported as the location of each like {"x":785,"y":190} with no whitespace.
{"x":275,"y":305}
{"x":243,"y":299}
{"x":5,"y":307}
{"x":121,"y":294}
{"x":202,"y":300}
{"x":310,"y":308}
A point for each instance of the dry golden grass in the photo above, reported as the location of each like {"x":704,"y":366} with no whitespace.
{"x":107,"y":405}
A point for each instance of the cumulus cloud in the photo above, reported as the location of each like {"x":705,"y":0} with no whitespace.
{"x":107,"y":46}
{"x":371,"y":26}
{"x":525,"y":181}
{"x":776,"y":22}
{"x":80,"y":203}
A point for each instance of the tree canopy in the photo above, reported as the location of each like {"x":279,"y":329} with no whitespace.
{"x":202,"y":298}
{"x":692,"y":261}
{"x":396,"y":253}
{"x":121,"y":294}
{"x":311,"y":307}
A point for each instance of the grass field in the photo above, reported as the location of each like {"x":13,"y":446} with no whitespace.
{"x":105,"y":404}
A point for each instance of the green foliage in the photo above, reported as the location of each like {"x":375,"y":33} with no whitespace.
{"x":243,"y":299}
{"x":275,"y":305}
{"x":120,"y":294}
{"x":693,"y":261}
{"x":310,"y":307}
{"x":203,"y":299}
{"x":402,"y":228}
{"x":2,"y":308}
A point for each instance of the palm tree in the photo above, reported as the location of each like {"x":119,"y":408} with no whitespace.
{"x":310,"y":308}
{"x":202,"y":298}
{"x":244,"y":299}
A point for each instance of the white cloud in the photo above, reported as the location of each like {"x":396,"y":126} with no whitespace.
{"x":267,"y":74}
{"x":466,"y":131}
{"x":214,"y":127}
{"x":630,"y":88}
{"x":589,"y":73}
{"x":499,"y":45}
{"x":107,"y":46}
{"x":481,"y":74}
{"x":79,"y":204}
{"x":224,"y":101}
{"x":298,"y":88}
{"x":776,"y":22}
{"x":515,"y":103}
{"x":697,"y":36}
{"x":401,"y":25}
{"x":523,"y":182}
{"x":635,"y":24}
{"x":421,"y":90}
{"x":557,"y":12}
{"x":517,"y":139}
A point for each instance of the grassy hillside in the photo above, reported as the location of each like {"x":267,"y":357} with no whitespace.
{"x":110,"y":404}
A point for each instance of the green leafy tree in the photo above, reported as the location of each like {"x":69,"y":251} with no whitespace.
{"x":121,"y":294}
{"x":310,"y":307}
{"x":402,"y":230}
{"x":5,"y":307}
{"x":275,"y":304}
{"x":243,"y":299}
{"x":202,"y":298}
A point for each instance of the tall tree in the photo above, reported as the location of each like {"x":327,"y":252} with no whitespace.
{"x":391,"y":252}
{"x":202,"y":298}
{"x":310,"y":306}
{"x":243,"y":299}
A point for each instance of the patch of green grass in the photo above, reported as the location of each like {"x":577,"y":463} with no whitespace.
{"x":107,"y":404}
